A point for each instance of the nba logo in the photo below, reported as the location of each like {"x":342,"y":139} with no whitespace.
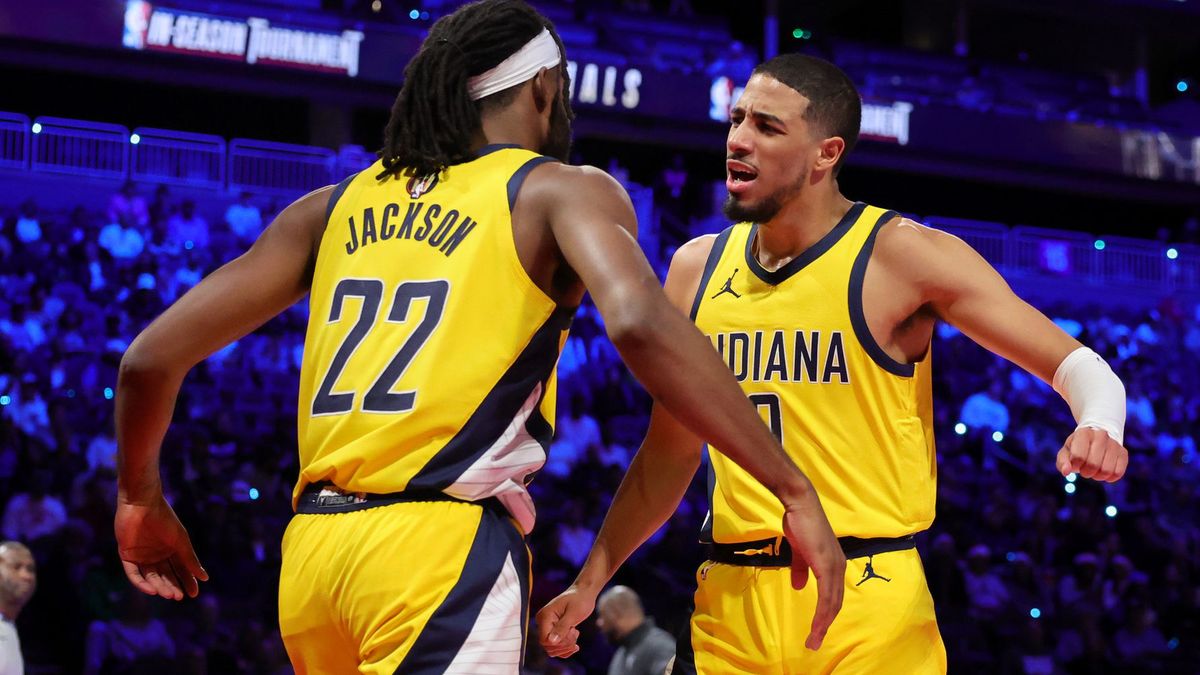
{"x":419,"y":185}
{"x":137,"y":20}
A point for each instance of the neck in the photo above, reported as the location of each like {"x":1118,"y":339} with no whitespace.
{"x":800,"y":224}
{"x":10,"y":610}
{"x":506,"y":126}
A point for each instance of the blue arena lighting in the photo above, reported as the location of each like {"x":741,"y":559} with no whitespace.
{"x":1110,"y":511}
{"x":135,"y":139}
{"x":1035,"y":613}
{"x":253,"y":493}
{"x":1181,"y":86}
{"x":70,"y":393}
{"x":424,"y":16}
{"x":189,"y":244}
{"x":960,"y":428}
{"x":1173,"y":643}
{"x":1172,"y":253}
{"x":414,"y":15}
{"x":108,"y":393}
{"x":1010,"y":556}
{"x":997,"y":436}
{"x":1099,"y":244}
{"x":5,"y":399}
{"x":1071,"y":477}
{"x":36,"y":128}
{"x":1069,"y":488}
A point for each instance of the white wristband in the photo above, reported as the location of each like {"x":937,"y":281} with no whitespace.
{"x":1094,"y":392}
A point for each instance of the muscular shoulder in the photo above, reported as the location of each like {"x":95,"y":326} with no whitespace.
{"x":554,"y":183}
{"x":687,"y":266}
{"x":926,"y":257}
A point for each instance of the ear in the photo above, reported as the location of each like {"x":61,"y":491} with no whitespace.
{"x":831,"y":150}
{"x":545,"y":86}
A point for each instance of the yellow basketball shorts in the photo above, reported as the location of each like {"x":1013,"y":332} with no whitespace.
{"x":416,"y":588}
{"x":750,"y":620}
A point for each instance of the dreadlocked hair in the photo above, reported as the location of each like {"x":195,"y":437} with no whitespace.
{"x":434,"y":119}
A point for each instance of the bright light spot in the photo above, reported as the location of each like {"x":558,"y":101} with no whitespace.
{"x":1035,"y":613}
{"x":1072,"y":476}
{"x":1181,"y":86}
{"x":1010,"y":556}
{"x":1173,"y":643}
{"x":1069,"y":488}
{"x":376,"y":6}
{"x":1172,"y":253}
{"x":1099,"y":244}
{"x":36,"y":128}
{"x":135,"y":139}
{"x":414,"y":15}
{"x":253,"y":493}
{"x":425,"y":15}
{"x":108,"y":393}
{"x":189,"y":245}
{"x":5,"y":399}
{"x":997,"y":436}
{"x":960,"y":428}
{"x":1110,"y":511}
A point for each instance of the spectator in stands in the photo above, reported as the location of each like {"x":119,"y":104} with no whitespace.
{"x":18,"y":581}
{"x":122,"y":240}
{"x":986,"y":592}
{"x":35,"y":514}
{"x":986,"y":409}
{"x":187,"y":229}
{"x":244,"y":219}
{"x":1139,"y":641}
{"x":736,"y":64}
{"x":575,"y":435}
{"x":127,"y":206}
{"x":642,"y":647}
{"x":28,"y":229}
{"x":133,"y":642}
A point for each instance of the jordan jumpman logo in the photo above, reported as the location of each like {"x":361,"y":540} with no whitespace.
{"x":869,"y":573}
{"x":728,"y":287}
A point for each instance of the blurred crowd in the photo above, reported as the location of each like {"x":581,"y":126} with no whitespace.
{"x":1031,"y":573}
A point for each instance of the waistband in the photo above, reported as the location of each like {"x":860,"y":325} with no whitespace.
{"x":778,"y":553}
{"x":328,"y":498}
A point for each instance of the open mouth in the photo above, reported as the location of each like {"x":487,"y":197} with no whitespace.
{"x":739,"y":175}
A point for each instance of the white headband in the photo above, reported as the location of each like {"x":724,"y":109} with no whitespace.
{"x":540,"y":52}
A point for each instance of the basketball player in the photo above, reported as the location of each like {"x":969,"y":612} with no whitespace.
{"x":442,"y":282}
{"x":824,"y":309}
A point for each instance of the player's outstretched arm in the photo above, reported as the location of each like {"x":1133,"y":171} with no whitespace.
{"x":965,"y":291}
{"x":594,"y":225}
{"x":232,"y":301}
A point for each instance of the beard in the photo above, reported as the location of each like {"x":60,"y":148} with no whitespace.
{"x":764,"y":209}
{"x":558,"y":144}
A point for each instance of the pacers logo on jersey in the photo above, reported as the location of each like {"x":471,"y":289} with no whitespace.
{"x":419,"y":185}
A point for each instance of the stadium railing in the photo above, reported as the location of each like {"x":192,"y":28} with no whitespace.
{"x":14,"y":141}
{"x":196,"y":160}
{"x":178,"y":158}
{"x":78,"y":147}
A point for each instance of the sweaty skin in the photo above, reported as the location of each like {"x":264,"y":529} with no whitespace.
{"x":915,"y":277}
{"x":576,"y":230}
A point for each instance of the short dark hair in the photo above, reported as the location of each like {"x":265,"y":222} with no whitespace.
{"x":434,"y":119}
{"x":834,"y":104}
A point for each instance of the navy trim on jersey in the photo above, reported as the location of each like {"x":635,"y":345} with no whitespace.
{"x":336,"y":195}
{"x":858,"y":318}
{"x":450,"y":626}
{"x":518,"y":178}
{"x":492,"y":147}
{"x":808,"y":256}
{"x":710,"y":265}
{"x":706,"y":529}
{"x":498,"y":409}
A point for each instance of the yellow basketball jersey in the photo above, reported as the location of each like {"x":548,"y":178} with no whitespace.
{"x":429,"y":361}
{"x":858,"y":423}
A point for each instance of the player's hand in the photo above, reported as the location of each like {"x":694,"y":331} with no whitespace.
{"x":558,"y":619}
{"x":155,"y":550}
{"x":815,"y":547}
{"x":1092,"y":453}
